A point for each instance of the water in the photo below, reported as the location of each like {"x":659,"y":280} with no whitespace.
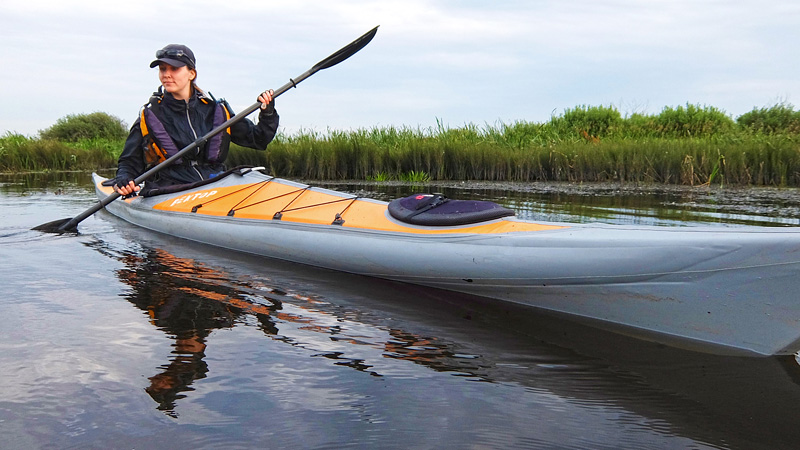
{"x":121,"y":338}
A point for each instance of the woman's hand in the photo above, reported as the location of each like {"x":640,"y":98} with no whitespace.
{"x":267,"y":101}
{"x":126,"y":189}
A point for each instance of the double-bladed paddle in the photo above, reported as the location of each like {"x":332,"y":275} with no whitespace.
{"x":71,"y":225}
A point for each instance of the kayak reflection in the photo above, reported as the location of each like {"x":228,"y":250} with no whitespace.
{"x":189,"y":300}
{"x":572,"y":371}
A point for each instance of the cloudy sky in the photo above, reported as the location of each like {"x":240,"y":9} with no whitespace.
{"x":455,"y":62}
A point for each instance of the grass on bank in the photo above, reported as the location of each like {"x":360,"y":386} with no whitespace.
{"x":74,"y":142}
{"x":756,"y":160}
{"x":688,"y":144}
{"x":19,"y":153}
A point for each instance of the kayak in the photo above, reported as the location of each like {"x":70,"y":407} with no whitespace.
{"x":719,"y":290}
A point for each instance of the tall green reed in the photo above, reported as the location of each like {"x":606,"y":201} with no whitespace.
{"x":19,"y":153}
{"x":689,"y":144}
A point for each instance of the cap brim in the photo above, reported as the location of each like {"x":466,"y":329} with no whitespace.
{"x":170,"y":61}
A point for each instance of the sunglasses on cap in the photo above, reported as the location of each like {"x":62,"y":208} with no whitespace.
{"x":171,"y":54}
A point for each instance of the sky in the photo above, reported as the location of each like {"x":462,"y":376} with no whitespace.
{"x":437,"y":62}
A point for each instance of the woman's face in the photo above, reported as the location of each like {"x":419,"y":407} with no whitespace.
{"x":176,"y":80}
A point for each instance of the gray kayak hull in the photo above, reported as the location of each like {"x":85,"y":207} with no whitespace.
{"x":722,"y":290}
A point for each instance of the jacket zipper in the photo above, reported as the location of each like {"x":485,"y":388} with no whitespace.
{"x":191,"y":127}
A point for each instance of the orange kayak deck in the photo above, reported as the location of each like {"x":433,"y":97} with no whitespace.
{"x":278,"y":199}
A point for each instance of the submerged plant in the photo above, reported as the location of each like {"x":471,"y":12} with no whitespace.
{"x":415,"y":177}
{"x":380,"y":176}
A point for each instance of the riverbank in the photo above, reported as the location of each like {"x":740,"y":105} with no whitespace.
{"x":755,"y":160}
{"x":680,"y":146}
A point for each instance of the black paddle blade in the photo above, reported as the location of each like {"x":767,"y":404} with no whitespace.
{"x":346,"y":51}
{"x":57,"y":226}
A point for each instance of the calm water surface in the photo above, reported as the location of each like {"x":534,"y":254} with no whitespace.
{"x":121,"y":338}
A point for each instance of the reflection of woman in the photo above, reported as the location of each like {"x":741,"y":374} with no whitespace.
{"x":176,"y":116}
{"x":184,"y":368}
{"x":182,"y":299}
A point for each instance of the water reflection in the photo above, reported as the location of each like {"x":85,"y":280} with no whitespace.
{"x":404,"y":363}
{"x":188,"y":301}
{"x":38,"y":183}
{"x":572,"y":371}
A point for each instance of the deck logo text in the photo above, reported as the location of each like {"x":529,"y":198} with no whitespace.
{"x":190,"y":197}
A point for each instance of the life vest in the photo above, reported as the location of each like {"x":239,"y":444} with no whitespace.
{"x":159,"y":145}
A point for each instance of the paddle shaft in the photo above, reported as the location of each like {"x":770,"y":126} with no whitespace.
{"x":342,"y":54}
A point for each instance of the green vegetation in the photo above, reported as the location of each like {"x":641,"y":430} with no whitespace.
{"x":781,"y":118}
{"x":75,"y":142}
{"x":80,"y":127}
{"x":689,"y":144}
{"x":22,"y":154}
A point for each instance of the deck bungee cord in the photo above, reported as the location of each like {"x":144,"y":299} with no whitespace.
{"x":278,"y":215}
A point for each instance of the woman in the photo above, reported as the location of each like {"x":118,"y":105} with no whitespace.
{"x":176,"y":116}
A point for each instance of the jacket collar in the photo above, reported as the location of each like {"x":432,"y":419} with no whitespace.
{"x":173,"y":103}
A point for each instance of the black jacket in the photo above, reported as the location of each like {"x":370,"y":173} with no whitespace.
{"x":185,"y":122}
